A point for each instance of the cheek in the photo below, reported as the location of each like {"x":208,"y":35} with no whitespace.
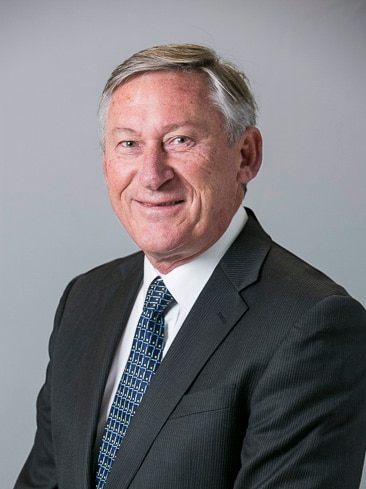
{"x":217,"y":179}
{"x":117,"y":177}
{"x":222,"y":192}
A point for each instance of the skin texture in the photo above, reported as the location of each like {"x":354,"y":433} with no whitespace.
{"x":173,"y":179}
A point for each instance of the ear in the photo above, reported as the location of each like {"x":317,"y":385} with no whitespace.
{"x":251,"y":154}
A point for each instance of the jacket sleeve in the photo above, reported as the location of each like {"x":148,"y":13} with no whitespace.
{"x":39,"y":470}
{"x":307,"y":424}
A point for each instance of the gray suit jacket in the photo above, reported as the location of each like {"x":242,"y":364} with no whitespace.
{"x":263,"y":387}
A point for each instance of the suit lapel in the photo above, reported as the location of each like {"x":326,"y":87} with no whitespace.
{"x":216,"y":311}
{"x":107,"y":313}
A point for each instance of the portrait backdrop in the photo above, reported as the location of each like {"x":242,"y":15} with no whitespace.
{"x":307,"y":66}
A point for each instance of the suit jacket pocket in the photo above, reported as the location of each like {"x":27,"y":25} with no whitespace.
{"x":221,"y":397}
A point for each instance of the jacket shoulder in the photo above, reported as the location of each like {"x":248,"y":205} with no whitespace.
{"x":108,"y":274}
{"x":288,"y":271}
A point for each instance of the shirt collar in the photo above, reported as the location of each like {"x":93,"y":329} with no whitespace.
{"x":186,"y":282}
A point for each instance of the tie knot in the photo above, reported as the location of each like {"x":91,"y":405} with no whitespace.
{"x":158,"y":296}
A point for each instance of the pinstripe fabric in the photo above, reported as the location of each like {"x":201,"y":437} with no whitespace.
{"x":143,"y":361}
{"x":264,"y":386}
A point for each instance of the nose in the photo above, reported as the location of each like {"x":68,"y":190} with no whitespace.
{"x":155,"y":169}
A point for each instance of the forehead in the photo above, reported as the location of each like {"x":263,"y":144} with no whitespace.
{"x":156,"y":101}
{"x":164,"y":88}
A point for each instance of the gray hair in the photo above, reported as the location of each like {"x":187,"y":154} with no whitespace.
{"x":229,"y":87}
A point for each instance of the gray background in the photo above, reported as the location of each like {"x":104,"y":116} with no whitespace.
{"x":306,"y":60}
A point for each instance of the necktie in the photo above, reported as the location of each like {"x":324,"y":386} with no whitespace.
{"x":144,"y":358}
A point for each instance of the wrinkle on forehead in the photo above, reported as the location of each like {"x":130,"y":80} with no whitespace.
{"x":145,"y":88}
{"x":169,"y":101}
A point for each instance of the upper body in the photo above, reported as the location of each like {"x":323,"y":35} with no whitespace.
{"x":264,"y":383}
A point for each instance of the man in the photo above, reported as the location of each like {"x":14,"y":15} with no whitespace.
{"x":253,"y":373}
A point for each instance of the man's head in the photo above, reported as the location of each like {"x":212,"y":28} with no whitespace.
{"x":174,"y":163}
{"x":228,"y":87}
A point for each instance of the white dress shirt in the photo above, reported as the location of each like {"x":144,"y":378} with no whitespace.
{"x":185,"y":283}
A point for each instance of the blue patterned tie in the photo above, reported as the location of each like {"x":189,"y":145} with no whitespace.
{"x":144,"y":359}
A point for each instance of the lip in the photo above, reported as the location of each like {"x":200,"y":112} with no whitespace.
{"x":159,"y":211}
{"x":161,"y":204}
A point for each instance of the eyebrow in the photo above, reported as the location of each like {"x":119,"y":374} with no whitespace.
{"x":167,"y":128}
{"x":117,"y":130}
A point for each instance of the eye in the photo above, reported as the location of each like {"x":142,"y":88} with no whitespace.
{"x":128,"y":144}
{"x":180,"y":140}
{"x":178,"y":143}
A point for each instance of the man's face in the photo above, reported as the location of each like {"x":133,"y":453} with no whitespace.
{"x":173,"y":180}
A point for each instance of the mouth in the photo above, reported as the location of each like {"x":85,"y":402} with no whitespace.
{"x":161,"y":204}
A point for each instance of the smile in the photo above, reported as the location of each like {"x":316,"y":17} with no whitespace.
{"x":162,"y":204}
